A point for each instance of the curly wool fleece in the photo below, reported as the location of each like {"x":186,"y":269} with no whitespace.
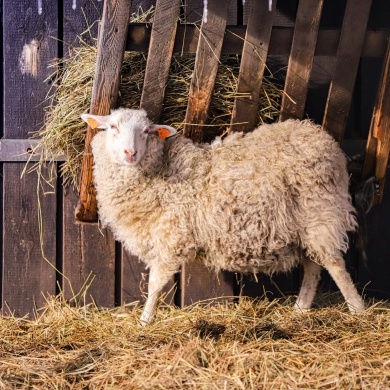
{"x":253,"y":202}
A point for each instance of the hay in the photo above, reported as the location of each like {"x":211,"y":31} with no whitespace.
{"x":64,"y":132}
{"x":249,"y":345}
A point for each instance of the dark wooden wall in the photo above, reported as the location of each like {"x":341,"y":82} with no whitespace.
{"x":56,"y":254}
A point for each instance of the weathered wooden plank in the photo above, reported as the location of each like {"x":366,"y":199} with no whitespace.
{"x":198,"y":283}
{"x":205,"y":69}
{"x":378,"y":144}
{"x":111,"y":46}
{"x":13,"y":150}
{"x":253,"y":63}
{"x":28,"y":47}
{"x":29,"y":253}
{"x":187,"y":37}
{"x":301,"y":59}
{"x":81,"y":20}
{"x":159,"y":57}
{"x":348,"y":57}
{"x":88,"y":256}
{"x":88,"y":259}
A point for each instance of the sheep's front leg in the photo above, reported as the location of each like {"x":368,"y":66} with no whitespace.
{"x":158,"y":278}
{"x":311,"y":277}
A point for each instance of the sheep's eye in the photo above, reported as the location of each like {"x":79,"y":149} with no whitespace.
{"x":146,"y":131}
{"x":114,"y":128}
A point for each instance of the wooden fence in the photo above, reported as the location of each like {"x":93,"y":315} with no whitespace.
{"x":333,"y":51}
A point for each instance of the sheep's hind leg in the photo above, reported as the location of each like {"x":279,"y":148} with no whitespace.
{"x":158,"y":278}
{"x":311,"y":277}
{"x":338,"y":272}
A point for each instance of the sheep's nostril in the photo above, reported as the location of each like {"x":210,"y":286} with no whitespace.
{"x":130,"y":153}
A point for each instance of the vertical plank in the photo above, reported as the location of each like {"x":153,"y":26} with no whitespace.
{"x":205,"y":69}
{"x":197,"y":282}
{"x":88,"y":255}
{"x":253,"y":63}
{"x":28,"y":47}
{"x":301,"y":59}
{"x":112,"y":39}
{"x":347,"y":62}
{"x":378,"y":144}
{"x":159,"y":56}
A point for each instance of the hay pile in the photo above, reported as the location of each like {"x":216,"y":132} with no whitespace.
{"x":249,"y":345}
{"x":64,"y":132}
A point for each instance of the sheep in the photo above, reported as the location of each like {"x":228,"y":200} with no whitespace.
{"x":263,"y":201}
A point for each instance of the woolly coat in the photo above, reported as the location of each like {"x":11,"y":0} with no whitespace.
{"x":255,"y":202}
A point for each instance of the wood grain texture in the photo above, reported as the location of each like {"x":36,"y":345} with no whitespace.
{"x":81,"y":22}
{"x":347,"y":62}
{"x":205,"y":70}
{"x":301,"y":59}
{"x":187,"y":37}
{"x":112,"y":38}
{"x":199,"y":283}
{"x":253,"y":63}
{"x":28,"y":269}
{"x":159,"y":56}
{"x":27,"y":49}
{"x":378,"y":144}
{"x":88,"y":259}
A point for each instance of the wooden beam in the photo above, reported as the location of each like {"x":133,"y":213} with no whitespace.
{"x":111,"y":45}
{"x":347,"y":62}
{"x":187,"y":37}
{"x":253,"y":63}
{"x":301,"y":59}
{"x":159,"y":56}
{"x":378,"y":144}
{"x":205,"y":69}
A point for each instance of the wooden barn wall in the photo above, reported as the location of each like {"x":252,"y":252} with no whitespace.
{"x":81,"y":260}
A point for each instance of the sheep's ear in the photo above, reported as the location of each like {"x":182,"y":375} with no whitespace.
{"x":95,"y":121}
{"x":162,"y":131}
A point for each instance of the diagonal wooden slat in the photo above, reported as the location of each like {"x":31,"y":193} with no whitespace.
{"x":347,"y":62}
{"x":159,"y":56}
{"x":301,"y":59}
{"x":378,"y":144}
{"x":111,"y":45}
{"x":205,"y":69}
{"x":253,"y":64}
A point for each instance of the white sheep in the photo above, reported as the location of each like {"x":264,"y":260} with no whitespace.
{"x":258,"y":202}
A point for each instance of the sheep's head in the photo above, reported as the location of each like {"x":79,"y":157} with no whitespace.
{"x":127,"y":133}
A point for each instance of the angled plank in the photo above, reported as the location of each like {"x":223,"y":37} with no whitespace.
{"x":301,"y":59}
{"x":88,"y":257}
{"x":378,"y":144}
{"x":347,"y":62}
{"x":159,"y":56}
{"x":111,"y":44}
{"x":205,"y":69}
{"x":253,"y":63}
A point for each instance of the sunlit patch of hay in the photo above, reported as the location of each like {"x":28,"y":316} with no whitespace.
{"x":251,"y":344}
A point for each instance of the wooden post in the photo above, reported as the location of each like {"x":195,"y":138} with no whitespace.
{"x":111,"y":45}
{"x":205,"y":69}
{"x":159,"y":56}
{"x":301,"y":59}
{"x":347,"y":62}
{"x":378,"y":144}
{"x":254,"y":56}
